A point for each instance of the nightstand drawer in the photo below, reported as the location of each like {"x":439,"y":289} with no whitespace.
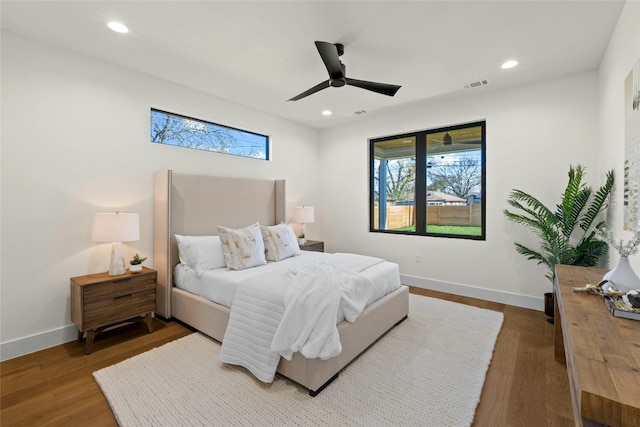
{"x":106,"y":291}
{"x":119,"y":308}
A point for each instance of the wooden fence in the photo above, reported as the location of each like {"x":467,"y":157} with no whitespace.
{"x":404,"y":216}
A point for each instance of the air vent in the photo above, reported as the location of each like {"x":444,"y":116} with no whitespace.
{"x":479,"y":83}
{"x":360,"y":112}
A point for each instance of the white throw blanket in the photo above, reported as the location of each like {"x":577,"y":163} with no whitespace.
{"x":281,"y":313}
{"x":312,"y":303}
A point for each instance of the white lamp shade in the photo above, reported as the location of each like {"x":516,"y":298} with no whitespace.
{"x":116,"y":227}
{"x":304,"y":215}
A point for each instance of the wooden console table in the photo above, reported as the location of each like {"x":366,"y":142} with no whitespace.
{"x":602,"y":352}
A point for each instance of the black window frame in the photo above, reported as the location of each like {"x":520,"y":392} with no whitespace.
{"x":421,"y":166}
{"x":267,"y":138}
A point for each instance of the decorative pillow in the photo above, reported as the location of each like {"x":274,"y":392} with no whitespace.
{"x":280,"y":242}
{"x":242,"y":248}
{"x":201,"y":252}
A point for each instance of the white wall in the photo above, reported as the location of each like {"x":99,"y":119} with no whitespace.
{"x":75,"y":141}
{"x":534,"y":133}
{"x":622,"y":53}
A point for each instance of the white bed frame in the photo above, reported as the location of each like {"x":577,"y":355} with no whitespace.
{"x":195,"y":205}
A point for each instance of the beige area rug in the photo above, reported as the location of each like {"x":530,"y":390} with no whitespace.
{"x":428,"y":371}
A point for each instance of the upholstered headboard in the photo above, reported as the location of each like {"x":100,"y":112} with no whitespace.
{"x":194,"y":205}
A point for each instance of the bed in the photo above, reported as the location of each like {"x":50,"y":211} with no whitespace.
{"x":194,"y":205}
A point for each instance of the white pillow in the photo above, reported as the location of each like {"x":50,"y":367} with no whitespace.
{"x":201,"y":252}
{"x":280,"y":242}
{"x":242,"y":248}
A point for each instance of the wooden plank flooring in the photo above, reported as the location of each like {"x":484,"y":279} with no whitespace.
{"x":525,"y":386}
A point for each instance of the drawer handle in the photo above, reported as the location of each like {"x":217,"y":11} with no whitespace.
{"x":122,"y":296}
{"x":124,"y":279}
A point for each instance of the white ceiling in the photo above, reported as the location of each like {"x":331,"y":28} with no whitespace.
{"x":261,"y":53}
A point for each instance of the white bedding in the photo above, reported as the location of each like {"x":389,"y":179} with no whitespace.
{"x":219,"y":285}
{"x":296,"y":309}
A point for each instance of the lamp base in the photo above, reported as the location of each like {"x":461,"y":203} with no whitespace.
{"x":116,"y":266}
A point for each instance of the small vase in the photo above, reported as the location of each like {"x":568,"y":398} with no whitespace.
{"x":135,"y":268}
{"x":623,"y":276}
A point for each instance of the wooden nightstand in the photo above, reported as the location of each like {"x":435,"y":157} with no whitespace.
{"x":313,"y":245}
{"x":99,"y":300}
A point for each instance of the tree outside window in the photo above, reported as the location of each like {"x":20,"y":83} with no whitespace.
{"x":181,"y":131}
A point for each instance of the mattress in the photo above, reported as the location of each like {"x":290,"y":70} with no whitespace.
{"x":219,"y":285}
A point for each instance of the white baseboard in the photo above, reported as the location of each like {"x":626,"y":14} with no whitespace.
{"x":33,"y":343}
{"x":526,"y":301}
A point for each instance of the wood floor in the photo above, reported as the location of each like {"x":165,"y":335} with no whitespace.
{"x":525,"y":386}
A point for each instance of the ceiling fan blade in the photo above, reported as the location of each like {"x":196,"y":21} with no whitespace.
{"x":329,"y":54}
{"x":316,"y":88}
{"x":383,"y":88}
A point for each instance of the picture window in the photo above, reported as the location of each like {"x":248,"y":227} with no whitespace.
{"x":430,"y":182}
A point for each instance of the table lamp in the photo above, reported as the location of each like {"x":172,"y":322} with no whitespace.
{"x":303,"y":215}
{"x":116,"y":228}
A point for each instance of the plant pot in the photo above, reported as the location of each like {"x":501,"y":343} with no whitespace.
{"x":548,"y":306}
{"x":135,"y":268}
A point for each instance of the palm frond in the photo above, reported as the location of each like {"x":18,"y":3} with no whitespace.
{"x":574,"y":199}
{"x":599,"y":203}
{"x":530,"y":254}
{"x":534,"y":204}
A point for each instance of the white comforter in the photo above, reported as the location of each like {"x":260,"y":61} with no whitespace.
{"x":280,"y":313}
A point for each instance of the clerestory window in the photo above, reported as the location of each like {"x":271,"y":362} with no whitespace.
{"x":181,"y":131}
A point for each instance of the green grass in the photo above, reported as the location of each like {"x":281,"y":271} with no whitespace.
{"x":446,"y":229}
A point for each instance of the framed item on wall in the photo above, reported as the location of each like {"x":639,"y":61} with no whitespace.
{"x":632,"y":149}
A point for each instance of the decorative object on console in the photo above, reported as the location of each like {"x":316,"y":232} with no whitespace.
{"x":623,"y":275}
{"x":116,"y":228}
{"x":303,"y":215}
{"x":136,"y":264}
{"x":619,"y":308}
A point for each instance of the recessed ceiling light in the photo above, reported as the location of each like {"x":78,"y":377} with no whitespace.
{"x":326,"y":113}
{"x":509,"y":64}
{"x":118,"y":27}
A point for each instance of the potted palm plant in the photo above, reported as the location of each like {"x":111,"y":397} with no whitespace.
{"x":568,"y":234}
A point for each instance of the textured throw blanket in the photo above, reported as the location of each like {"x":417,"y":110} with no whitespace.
{"x":278,"y":314}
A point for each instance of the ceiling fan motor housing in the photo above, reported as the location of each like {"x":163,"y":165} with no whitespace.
{"x":341,"y":81}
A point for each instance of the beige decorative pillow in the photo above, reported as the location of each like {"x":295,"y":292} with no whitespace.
{"x":280,"y":242}
{"x":242,"y":248}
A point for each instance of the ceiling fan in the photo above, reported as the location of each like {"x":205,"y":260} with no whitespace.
{"x":330,"y":54}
